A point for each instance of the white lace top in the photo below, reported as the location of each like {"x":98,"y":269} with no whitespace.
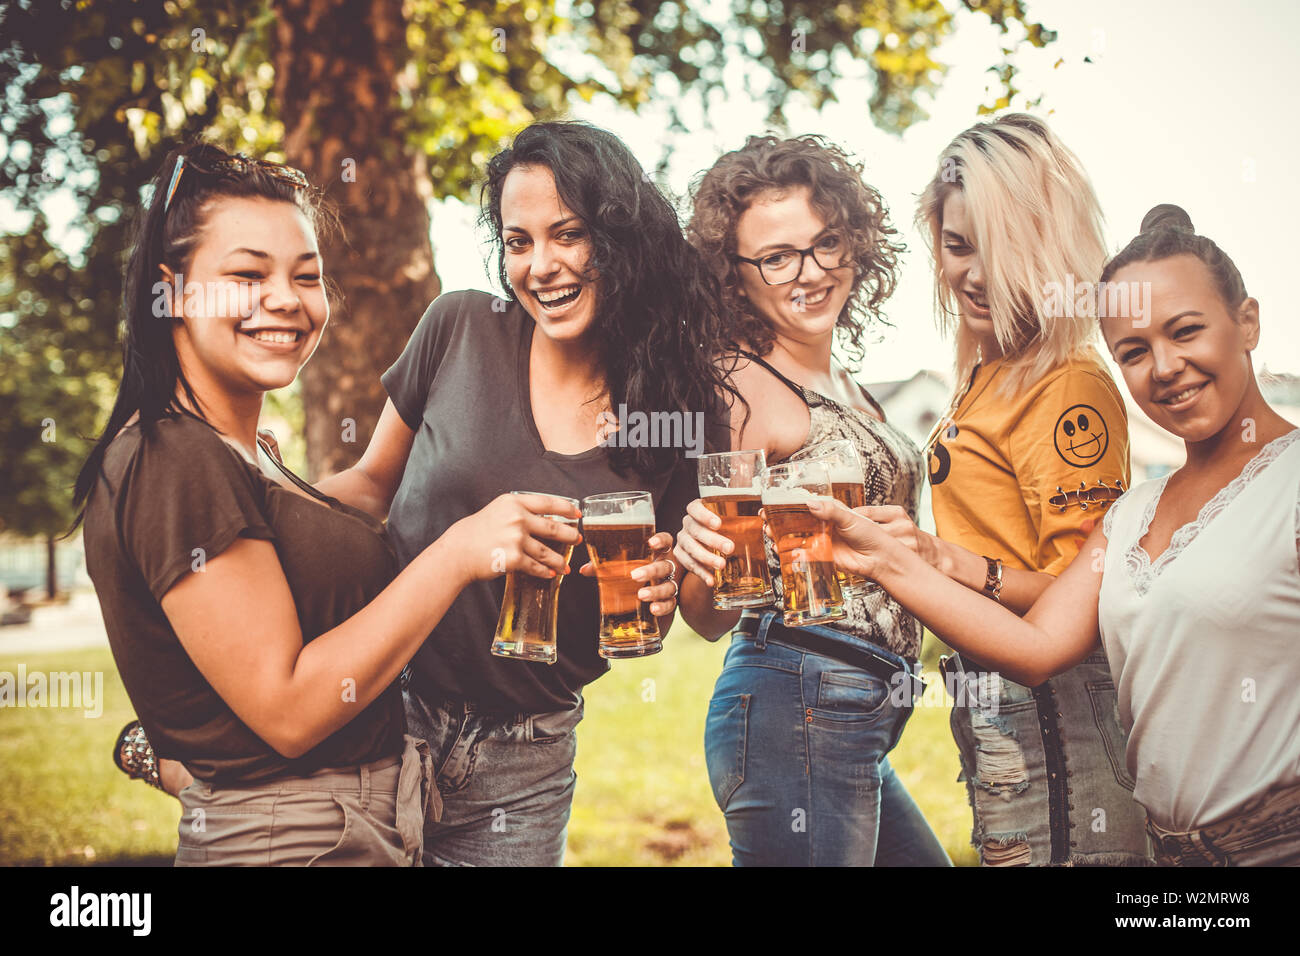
{"x":1204,"y":642}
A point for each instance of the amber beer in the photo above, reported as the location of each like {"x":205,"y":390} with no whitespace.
{"x":729,"y":488}
{"x":810,"y":589}
{"x":746,"y":580}
{"x":526,"y":624}
{"x":617,"y":529}
{"x":848,"y":488}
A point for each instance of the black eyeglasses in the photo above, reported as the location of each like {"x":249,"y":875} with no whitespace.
{"x":781,"y":268}
{"x":215,"y":162}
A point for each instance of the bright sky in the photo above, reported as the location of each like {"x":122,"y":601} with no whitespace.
{"x":1186,"y":101}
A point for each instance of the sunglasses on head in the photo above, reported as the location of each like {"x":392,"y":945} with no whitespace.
{"x":214,"y":162}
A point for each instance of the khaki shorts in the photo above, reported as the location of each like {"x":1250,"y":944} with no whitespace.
{"x":371,"y":815}
{"x":1266,"y":832}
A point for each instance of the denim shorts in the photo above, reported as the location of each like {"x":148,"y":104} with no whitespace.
{"x":1046,"y":775}
{"x":371,"y":815}
{"x":506,"y":782}
{"x":796,"y":745}
{"x":1265,"y":833}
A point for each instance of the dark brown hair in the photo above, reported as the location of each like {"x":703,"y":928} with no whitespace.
{"x":169,"y":233}
{"x":851,"y":207}
{"x":1167,"y":231}
{"x":658,"y":318}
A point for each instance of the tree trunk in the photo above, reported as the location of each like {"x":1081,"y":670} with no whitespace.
{"x":337,"y":66}
{"x":51,"y":569}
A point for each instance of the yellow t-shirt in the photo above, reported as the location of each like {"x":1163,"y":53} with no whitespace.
{"x":999,"y":460}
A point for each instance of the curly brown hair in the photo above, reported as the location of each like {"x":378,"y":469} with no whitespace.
{"x":765,"y":164}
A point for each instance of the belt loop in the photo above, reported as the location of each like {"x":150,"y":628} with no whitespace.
{"x":365,"y":787}
{"x":760,"y":636}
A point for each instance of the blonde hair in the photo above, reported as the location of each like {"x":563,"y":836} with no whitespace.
{"x":1036,"y":223}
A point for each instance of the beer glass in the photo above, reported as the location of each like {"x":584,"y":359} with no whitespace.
{"x":810,"y":591}
{"x":526,"y":625}
{"x":617,"y":528}
{"x":729,"y":488}
{"x":848,"y":488}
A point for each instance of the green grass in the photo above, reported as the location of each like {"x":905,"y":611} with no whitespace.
{"x":643,"y":796}
{"x":62,"y":800}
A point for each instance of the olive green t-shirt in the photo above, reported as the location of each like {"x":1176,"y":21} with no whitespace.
{"x":167,"y":503}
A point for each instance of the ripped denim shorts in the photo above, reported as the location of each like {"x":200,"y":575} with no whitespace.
{"x":1046,"y":774}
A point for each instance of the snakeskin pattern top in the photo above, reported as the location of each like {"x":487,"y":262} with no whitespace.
{"x":893,"y":470}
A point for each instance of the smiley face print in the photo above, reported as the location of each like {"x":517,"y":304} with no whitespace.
{"x":1081,"y":436}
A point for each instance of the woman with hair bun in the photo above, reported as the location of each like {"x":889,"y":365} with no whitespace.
{"x":1192,"y":581}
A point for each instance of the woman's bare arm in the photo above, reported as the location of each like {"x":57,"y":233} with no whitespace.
{"x":1020,"y":589}
{"x":777,"y":423}
{"x":1058,"y":631}
{"x":372,"y":482}
{"x":238,"y":622}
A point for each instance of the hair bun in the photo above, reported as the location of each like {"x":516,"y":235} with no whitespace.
{"x":1167,"y":216}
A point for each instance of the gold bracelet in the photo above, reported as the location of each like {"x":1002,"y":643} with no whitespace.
{"x":993,"y":582}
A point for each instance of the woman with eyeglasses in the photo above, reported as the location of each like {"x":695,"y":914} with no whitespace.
{"x":258,"y":624}
{"x":802,"y":719}
{"x":1191,"y":582}
{"x":1031,"y":451}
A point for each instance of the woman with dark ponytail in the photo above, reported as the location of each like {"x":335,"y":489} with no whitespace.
{"x":1191,"y":582}
{"x":260,"y":626}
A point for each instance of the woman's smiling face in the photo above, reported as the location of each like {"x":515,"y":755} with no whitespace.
{"x":1186,"y":357}
{"x":963,"y":267}
{"x":547,"y":252}
{"x":774,"y":225}
{"x":253,"y":304}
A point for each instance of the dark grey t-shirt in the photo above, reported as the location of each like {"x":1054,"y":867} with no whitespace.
{"x":462,"y":385}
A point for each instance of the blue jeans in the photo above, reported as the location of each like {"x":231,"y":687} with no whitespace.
{"x":796,"y":747}
{"x":506,"y":782}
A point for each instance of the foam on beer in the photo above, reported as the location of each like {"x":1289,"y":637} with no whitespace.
{"x":846,"y":475}
{"x":712,"y":491}
{"x":791,"y":496}
{"x":639,"y":513}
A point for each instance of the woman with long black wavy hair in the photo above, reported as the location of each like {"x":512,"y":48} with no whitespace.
{"x":608,"y":314}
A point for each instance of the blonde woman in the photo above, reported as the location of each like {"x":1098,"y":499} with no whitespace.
{"x":1032,"y":449}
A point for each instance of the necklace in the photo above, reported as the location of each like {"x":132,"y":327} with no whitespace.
{"x":946,"y":419}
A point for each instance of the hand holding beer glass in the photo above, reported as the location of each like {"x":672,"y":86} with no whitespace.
{"x":526,"y":625}
{"x":729,"y":487}
{"x":617,"y":528}
{"x":810,"y":590}
{"x":847,"y":487}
